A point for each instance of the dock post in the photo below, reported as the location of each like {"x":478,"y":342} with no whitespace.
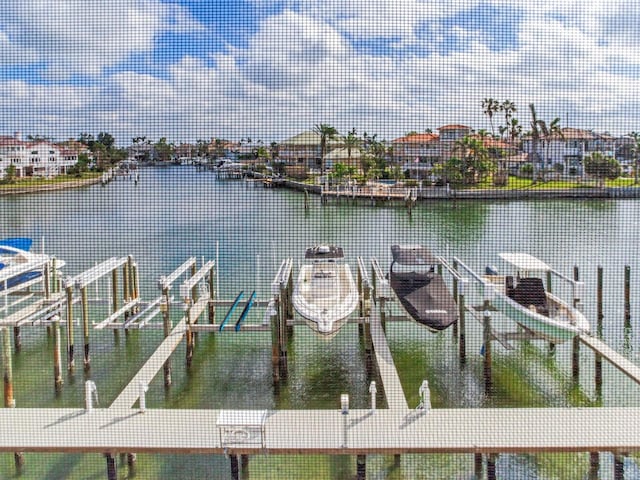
{"x":244,"y":464}
{"x":235,"y":474}
{"x":454,"y":291}
{"x":274,"y":320}
{"x":135,"y":283}
{"x":462,"y":348}
{"x":126,"y":289}
{"x":9,"y":401}
{"x":627,"y":297}
{"x":491,"y":466}
{"x":306,"y":199}
{"x":114,"y":296}
{"x":600,"y":315}
{"x":486,"y":323}
{"x":57,"y":363}
{"x":112,"y":472}
{"x":618,"y":467}
{"x":17,"y":339}
{"x":594,"y":465}
{"x":166,"y":322}
{"x":477,"y":466}
{"x":289,"y":308}
{"x":132,"y":459}
{"x":85,"y":327}
{"x":212,"y":297}
{"x":70,"y":340}
{"x":575,"y":342}
{"x":189,"y":334}
{"x":361,"y":467}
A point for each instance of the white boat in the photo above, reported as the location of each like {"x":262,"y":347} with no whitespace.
{"x":325,"y":293}
{"x":19,"y":268}
{"x":522,"y":297}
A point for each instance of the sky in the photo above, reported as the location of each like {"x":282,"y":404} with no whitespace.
{"x":269,"y":69}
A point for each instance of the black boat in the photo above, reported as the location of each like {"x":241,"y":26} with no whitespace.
{"x":420,"y":288}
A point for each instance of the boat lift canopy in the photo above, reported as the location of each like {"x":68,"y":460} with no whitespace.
{"x":413,"y":255}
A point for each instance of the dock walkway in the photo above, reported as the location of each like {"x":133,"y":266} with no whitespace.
{"x":485,"y":430}
{"x":617,"y":360}
{"x":390,"y":380}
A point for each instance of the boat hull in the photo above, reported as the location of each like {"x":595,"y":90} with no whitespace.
{"x":326,"y":301}
{"x":556,"y":329}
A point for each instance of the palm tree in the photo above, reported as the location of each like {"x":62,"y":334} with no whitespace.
{"x":489,"y":107}
{"x":509,"y":108}
{"x":475,"y":159}
{"x":326,"y":132}
{"x":350,"y":142}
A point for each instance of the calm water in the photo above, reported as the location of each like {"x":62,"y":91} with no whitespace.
{"x":177,"y":212}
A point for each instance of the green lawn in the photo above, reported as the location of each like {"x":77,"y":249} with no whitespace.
{"x":40,"y":181}
{"x":516,"y":183}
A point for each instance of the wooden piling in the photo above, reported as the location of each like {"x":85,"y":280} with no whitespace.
{"x":462,"y":348}
{"x":454,"y":291}
{"x":112,"y":472}
{"x":126,"y":289}
{"x":594,"y":465}
{"x":114,"y":296}
{"x":57,"y":361}
{"x":600,"y":315}
{"x":618,"y":467}
{"x":477,"y":466}
{"x":486,"y":322}
{"x":70,"y":338}
{"x":491,"y":466}
{"x":166,"y":322}
{"x":244,"y":464}
{"x":575,"y":342}
{"x":17,"y":339}
{"x":274,"y":321}
{"x":627,"y":296}
{"x":9,"y":401}
{"x":189,"y":335}
{"x":85,"y":326}
{"x":212,"y":297}
{"x":132,"y":460}
{"x":361,"y":467}
{"x":235,"y":474}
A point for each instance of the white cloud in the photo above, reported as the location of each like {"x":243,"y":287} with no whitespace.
{"x":299,"y":69}
{"x":85,"y":36}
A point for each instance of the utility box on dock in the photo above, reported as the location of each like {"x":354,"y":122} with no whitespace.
{"x":241,"y":427}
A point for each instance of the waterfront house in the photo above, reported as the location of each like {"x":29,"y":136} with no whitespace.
{"x":304,"y":149}
{"x":40,"y":158}
{"x":565,"y":152}
{"x":419,"y":151}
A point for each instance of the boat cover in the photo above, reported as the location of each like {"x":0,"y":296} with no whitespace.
{"x":21,"y":243}
{"x":425,"y":297}
{"x":413,"y":255}
{"x":525,"y":262}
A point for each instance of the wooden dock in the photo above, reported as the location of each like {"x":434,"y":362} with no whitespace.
{"x":505,"y":430}
{"x":387,"y":369}
{"x":620,"y":362}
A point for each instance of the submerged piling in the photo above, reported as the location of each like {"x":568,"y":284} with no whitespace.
{"x":70,"y":339}
{"x":166,"y":323}
{"x":9,"y":401}
{"x":627,"y":296}
{"x":57,"y":361}
{"x":85,"y":326}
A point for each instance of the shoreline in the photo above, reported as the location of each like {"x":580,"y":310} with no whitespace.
{"x":4,"y":191}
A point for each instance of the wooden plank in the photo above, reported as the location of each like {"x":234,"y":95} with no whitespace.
{"x":506,"y":430}
{"x":620,"y":362}
{"x":129,"y":396}
{"x":125,"y":308}
{"x":390,"y":380}
{"x":30,"y":312}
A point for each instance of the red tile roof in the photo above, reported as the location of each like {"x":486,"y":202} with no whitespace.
{"x":417,"y":138}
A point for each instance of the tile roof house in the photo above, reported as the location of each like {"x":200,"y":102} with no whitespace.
{"x":40,"y":158}
{"x":304,"y":149}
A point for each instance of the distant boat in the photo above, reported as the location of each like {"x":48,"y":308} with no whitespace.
{"x":325,"y":293}
{"x":18,"y":266}
{"x":522,"y":297}
{"x":420,"y":289}
{"x":227,"y":164}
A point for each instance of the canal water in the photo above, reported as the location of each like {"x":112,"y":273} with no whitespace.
{"x":174,"y":213}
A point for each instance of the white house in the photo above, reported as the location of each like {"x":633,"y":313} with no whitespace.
{"x":40,"y":158}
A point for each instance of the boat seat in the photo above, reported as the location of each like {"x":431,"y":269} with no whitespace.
{"x":509,"y":287}
{"x":530,"y":292}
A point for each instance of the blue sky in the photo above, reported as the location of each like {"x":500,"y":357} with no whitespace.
{"x":191,"y":69}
